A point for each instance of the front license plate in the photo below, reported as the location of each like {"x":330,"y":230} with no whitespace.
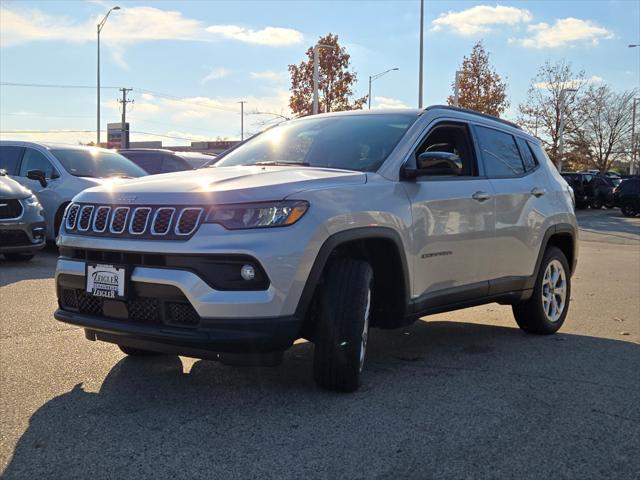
{"x":107,"y":281}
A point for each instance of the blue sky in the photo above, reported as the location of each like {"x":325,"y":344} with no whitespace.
{"x":190,"y":62}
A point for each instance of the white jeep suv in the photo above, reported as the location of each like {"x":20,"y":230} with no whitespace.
{"x":321,"y":228}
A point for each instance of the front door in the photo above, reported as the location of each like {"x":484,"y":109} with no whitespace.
{"x":453,"y":218}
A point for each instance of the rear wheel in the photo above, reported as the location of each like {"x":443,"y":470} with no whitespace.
{"x":596,"y":203}
{"x":18,"y":257}
{"x":628,"y":210}
{"x":545,"y":311}
{"x":137,"y":352}
{"x":343,"y":325}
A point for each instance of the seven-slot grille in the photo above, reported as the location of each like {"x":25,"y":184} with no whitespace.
{"x":158,"y":222}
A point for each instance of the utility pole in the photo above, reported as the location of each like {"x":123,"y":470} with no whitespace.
{"x":634,"y":141}
{"x":421,"y":51}
{"x":123,"y":130}
{"x":456,"y":91}
{"x":242,"y":102}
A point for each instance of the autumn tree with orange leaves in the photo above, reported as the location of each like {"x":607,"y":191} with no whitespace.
{"x":480,"y":87}
{"x":335,"y":85}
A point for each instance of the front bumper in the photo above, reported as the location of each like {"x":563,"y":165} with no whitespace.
{"x":22,"y":236}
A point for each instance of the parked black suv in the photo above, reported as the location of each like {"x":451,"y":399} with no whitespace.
{"x":156,"y":160}
{"x":627,"y":196}
{"x":591,"y":190}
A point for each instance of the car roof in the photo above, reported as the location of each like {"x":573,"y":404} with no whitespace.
{"x":50,"y":145}
{"x":152,"y":150}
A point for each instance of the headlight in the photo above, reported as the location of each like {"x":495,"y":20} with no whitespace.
{"x":32,"y":201}
{"x":258,"y":215}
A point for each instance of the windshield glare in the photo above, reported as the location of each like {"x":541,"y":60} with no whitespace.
{"x":93,"y":162}
{"x":350,"y":142}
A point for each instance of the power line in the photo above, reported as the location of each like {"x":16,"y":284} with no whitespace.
{"x":50,"y":85}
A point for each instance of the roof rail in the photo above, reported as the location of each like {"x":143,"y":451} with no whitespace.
{"x":473,"y":112}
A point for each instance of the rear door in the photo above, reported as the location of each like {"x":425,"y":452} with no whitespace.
{"x":453,"y":220}
{"x":519,"y":186}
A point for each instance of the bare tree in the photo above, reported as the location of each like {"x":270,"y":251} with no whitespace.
{"x":605,"y":130}
{"x":541,"y":112}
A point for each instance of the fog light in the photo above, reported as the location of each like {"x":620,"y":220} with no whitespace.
{"x":248,"y":272}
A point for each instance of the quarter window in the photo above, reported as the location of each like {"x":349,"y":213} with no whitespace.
{"x":499,"y":152}
{"x":34,"y":160}
{"x":527,"y":155}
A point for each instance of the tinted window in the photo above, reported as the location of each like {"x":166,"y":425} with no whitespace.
{"x":630,"y":186}
{"x":352,"y":142}
{"x":453,"y":139}
{"x":527,"y":156}
{"x":541,"y":157}
{"x":94,"y":162}
{"x":9,"y":158}
{"x":499,"y":152}
{"x":149,"y":162}
{"x":34,"y":160}
{"x":173,"y":164}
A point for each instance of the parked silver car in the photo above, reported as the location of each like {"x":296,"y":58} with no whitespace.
{"x":56,"y":172}
{"x":320,"y":228}
{"x":22,"y":225}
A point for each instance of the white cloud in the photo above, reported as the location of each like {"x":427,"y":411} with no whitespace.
{"x":273,"y":36}
{"x":570,"y":83}
{"x":215,"y":74}
{"x":480,"y":18}
{"x":386,"y":102}
{"x":269,"y":76}
{"x":128,"y":26}
{"x":565,"y":32}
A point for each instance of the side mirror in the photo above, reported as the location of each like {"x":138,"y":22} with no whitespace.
{"x":439,"y":163}
{"x":38,"y":175}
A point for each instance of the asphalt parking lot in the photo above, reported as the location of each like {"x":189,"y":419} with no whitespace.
{"x":458,"y":395}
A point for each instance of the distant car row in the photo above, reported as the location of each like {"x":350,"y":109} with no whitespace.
{"x":46,"y":177}
{"x":595,"y":190}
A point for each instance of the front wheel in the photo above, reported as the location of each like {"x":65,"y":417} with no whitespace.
{"x":545,"y":311}
{"x":596,"y":203}
{"x":628,"y":210}
{"x":343,"y":325}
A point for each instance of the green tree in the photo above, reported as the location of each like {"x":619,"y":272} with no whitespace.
{"x":335,"y":81}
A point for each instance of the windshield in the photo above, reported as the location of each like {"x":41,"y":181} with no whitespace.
{"x":351,"y":142}
{"x":93,"y":162}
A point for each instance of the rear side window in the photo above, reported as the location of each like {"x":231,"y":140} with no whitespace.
{"x":10,"y":158}
{"x":172,"y":164}
{"x":499,"y":153}
{"x":527,"y":155}
{"x":149,"y":162}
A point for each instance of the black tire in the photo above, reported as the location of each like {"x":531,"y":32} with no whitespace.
{"x":530,"y":314}
{"x":19,"y":257}
{"x":343,"y":325}
{"x":137,"y":352}
{"x":628,"y":210}
{"x":596,"y":203}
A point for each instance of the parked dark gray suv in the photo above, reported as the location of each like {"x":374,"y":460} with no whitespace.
{"x":22,"y":225}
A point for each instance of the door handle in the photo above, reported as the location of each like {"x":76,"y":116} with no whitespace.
{"x":538,"y":192}
{"x":481,"y":196}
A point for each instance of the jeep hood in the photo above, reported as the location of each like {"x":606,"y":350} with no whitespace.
{"x":220,"y":185}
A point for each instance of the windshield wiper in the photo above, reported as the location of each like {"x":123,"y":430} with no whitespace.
{"x":283,"y":164}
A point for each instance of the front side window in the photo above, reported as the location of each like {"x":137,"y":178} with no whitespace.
{"x":10,"y":158}
{"x":351,"y":142}
{"x":453,"y":139}
{"x":93,"y":162}
{"x":34,"y":160}
{"x":499,"y":153}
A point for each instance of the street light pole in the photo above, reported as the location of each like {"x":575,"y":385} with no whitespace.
{"x":99,"y":28}
{"x":563,"y":94}
{"x":242,"y":102}
{"x":634,"y":140}
{"x":421,"y":53}
{"x":316,"y":79}
{"x":375,"y":77}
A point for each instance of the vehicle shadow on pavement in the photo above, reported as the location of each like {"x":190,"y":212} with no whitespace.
{"x":39,"y":267}
{"x":439,"y":400}
{"x":609,"y":222}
